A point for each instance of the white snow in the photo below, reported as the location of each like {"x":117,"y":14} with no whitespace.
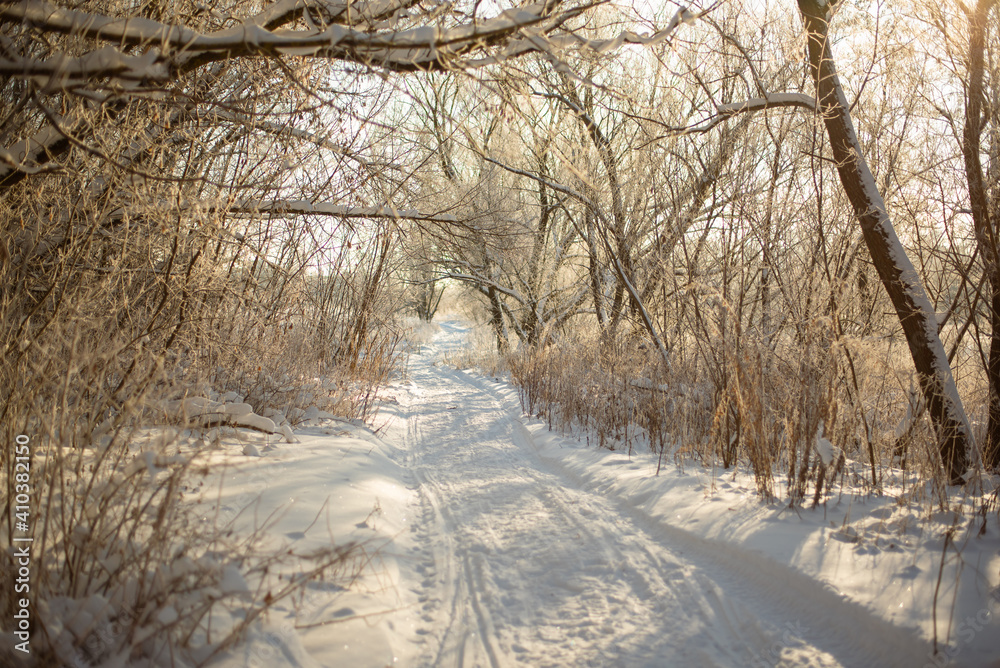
{"x":823,"y":446}
{"x":771,"y":100}
{"x":196,"y":411}
{"x":289,"y":435}
{"x":232,"y":581}
{"x":238,"y":410}
{"x":489,"y":540}
{"x":254,"y":421}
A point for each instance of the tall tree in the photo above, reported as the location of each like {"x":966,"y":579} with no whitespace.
{"x":899,"y":277}
{"x":983,"y":211}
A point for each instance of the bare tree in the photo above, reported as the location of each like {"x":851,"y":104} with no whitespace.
{"x":984,"y":201}
{"x":900,"y":279}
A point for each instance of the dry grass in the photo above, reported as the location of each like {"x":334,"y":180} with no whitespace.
{"x":768,"y":409}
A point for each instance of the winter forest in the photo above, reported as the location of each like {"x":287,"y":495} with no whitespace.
{"x":460,"y":333}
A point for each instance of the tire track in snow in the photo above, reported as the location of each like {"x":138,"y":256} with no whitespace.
{"x":813,"y":610}
{"x":461,"y":586}
{"x":532,"y":568}
{"x":584,"y":593}
{"x":458,"y":642}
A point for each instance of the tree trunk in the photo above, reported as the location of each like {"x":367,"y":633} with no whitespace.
{"x":496,"y":319}
{"x":899,"y":277}
{"x":991,"y":449}
{"x":979,"y":202}
{"x":618,"y":233}
{"x":594,"y":270}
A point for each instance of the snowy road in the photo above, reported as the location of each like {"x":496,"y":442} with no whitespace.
{"x":514,"y":563}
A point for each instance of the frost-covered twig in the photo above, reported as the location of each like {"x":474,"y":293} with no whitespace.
{"x":727,"y":111}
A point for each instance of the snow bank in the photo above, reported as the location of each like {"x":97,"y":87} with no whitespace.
{"x":339,"y":485}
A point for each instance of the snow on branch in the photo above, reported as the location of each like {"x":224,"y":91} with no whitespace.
{"x":12,"y":163}
{"x":279,"y":13}
{"x":25,"y":156}
{"x":174,"y":49}
{"x":106,"y":61}
{"x":769,"y":101}
{"x":538,"y":42}
{"x":136,"y":31}
{"x":160,"y":52}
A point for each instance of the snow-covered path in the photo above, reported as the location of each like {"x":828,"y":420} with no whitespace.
{"x":515,"y":563}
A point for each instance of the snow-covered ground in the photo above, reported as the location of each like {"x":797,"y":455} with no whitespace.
{"x":490,"y":541}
